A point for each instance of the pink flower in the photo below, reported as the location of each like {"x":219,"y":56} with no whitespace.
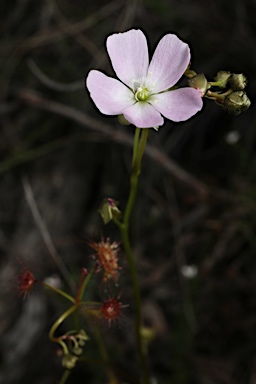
{"x":142,"y":93}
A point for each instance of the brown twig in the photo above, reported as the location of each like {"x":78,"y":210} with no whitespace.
{"x":20,"y":47}
{"x":53,"y":84}
{"x":45,"y":233}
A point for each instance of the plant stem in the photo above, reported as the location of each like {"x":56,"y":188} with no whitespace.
{"x":59,"y":321}
{"x":65,"y":376}
{"x":140,"y":140}
{"x":59,"y":291}
{"x":83,"y":286}
{"x":104,"y":355}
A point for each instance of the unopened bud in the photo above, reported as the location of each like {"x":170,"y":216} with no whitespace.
{"x":109,"y":210}
{"x":69,"y":361}
{"x":237,"y":81}
{"x":77,"y":351}
{"x":222,"y":78}
{"x":199,"y":82}
{"x":82,"y":337}
{"x":147,"y":333}
{"x":236,"y":102}
{"x":122,"y":120}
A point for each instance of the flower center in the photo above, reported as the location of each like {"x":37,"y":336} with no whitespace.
{"x":142,"y":94}
{"x":143,"y":88}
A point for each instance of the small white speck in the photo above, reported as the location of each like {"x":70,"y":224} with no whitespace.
{"x":54,"y":281}
{"x":232,"y":137}
{"x":189,"y":271}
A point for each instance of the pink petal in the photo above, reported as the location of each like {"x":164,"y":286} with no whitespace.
{"x":178,"y":105}
{"x":110,"y":96}
{"x":128,"y":52}
{"x":169,"y":62}
{"x":143,"y":115}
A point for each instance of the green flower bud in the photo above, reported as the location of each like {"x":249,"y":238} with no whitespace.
{"x":237,"y":81}
{"x":109,"y":211}
{"x":236,"y":102}
{"x":122,"y":120}
{"x":147,"y":333}
{"x":77,"y":351}
{"x":69,"y":361}
{"x":199,"y":82}
{"x":82,"y":337}
{"x":222,"y":78}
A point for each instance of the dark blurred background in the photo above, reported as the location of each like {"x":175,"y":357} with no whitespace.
{"x":194,"y":220}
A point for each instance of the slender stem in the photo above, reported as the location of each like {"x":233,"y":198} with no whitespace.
{"x":104,"y":355}
{"x":66,"y":314}
{"x":83,"y":286}
{"x":137,"y":157}
{"x":59,"y":291}
{"x":59,"y":321}
{"x":138,"y":150}
{"x":65,"y":376}
{"x":135,"y":144}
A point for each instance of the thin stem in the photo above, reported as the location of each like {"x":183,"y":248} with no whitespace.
{"x":137,"y":157}
{"x":59,"y":321}
{"x":84,"y":285}
{"x":59,"y":291}
{"x":135,"y":144}
{"x":65,"y":315}
{"x":138,"y":150}
{"x":218,"y":96}
{"x":104,"y":355}
{"x":65,"y":376}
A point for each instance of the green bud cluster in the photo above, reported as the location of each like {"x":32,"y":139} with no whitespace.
{"x":75,"y":349}
{"x":227,"y":90}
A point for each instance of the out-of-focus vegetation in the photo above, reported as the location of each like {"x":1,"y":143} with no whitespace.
{"x":196,"y":205}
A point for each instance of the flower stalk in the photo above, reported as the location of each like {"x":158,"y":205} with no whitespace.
{"x":58,"y":291}
{"x":140,"y":140}
{"x":105,"y":357}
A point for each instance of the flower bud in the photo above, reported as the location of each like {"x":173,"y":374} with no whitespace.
{"x":77,"y":351}
{"x":109,"y":211}
{"x":147,"y":333}
{"x":237,"y":81}
{"x":69,"y":361}
{"x":222,"y":78}
{"x":199,"y":82}
{"x":236,"y":102}
{"x":122,"y":120}
{"x":82,"y":337}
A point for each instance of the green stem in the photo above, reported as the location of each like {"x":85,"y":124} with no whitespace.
{"x":84,"y":285}
{"x":219,"y":96}
{"x":59,"y":291}
{"x":136,"y":165}
{"x":65,"y":376}
{"x":104,"y":355}
{"x":59,"y":321}
{"x":135,"y":144}
{"x":140,"y":140}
